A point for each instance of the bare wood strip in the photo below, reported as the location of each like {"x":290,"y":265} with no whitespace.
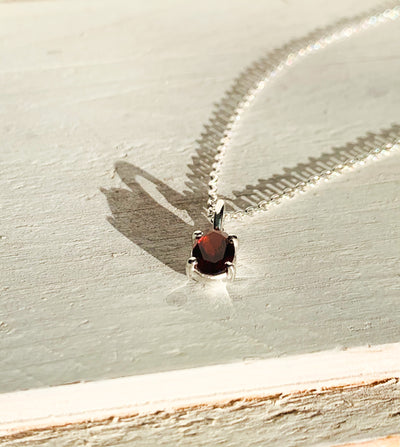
{"x":388,"y":441}
{"x":313,"y":418}
{"x":191,"y":389}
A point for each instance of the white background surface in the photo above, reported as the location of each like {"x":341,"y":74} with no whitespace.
{"x":84,"y":85}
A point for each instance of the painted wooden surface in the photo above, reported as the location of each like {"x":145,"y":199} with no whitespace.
{"x":101,"y":104}
{"x":319,"y":418}
{"x":146,"y":397}
{"x":388,"y":441}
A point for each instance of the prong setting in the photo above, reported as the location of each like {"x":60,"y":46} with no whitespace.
{"x":213,"y":255}
{"x":194,"y":274}
{"x":233,"y":239}
{"x":196,"y":235}
{"x":190,"y":266}
{"x":227,"y":276}
{"x":230,"y":271}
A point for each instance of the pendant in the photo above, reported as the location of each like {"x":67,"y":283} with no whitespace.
{"x":213,"y":254}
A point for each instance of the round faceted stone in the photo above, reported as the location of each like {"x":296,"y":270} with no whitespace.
{"x":212,"y":251}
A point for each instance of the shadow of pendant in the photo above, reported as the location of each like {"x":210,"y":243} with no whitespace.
{"x":163,"y":234}
{"x":149,"y":225}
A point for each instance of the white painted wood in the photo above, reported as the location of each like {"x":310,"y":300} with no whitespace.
{"x":317,"y":418}
{"x":189,"y":389}
{"x":85,"y":86}
{"x":388,"y":441}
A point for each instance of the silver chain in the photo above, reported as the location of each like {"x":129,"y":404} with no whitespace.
{"x":227,"y":125}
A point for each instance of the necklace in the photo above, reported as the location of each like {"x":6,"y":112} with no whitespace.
{"x":213,"y":254}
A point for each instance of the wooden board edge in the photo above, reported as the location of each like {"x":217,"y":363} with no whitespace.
{"x":36,"y":409}
{"x":387,"y":441}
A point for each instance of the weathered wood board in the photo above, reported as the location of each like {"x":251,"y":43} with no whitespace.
{"x":299,"y":400}
{"x":101,"y":105}
{"x":294,"y":420}
{"x":387,"y":441}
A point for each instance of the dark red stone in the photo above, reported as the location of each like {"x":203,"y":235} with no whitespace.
{"x":212,"y":251}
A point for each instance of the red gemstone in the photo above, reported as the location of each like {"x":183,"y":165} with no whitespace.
{"x":212,"y":251}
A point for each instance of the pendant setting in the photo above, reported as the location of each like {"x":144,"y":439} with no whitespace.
{"x":214,"y":253}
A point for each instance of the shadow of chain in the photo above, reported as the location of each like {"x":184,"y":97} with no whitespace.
{"x":164,"y":235}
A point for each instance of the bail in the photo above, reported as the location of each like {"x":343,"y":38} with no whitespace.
{"x":219,"y":215}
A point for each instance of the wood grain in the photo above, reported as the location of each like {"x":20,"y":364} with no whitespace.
{"x":79,"y":300}
{"x":388,"y":441}
{"x":170,"y":391}
{"x":101,"y":107}
{"x":317,"y":418}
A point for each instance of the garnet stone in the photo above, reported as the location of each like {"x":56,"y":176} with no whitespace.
{"x":212,"y":251}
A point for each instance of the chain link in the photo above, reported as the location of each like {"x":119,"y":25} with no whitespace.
{"x":230,"y":123}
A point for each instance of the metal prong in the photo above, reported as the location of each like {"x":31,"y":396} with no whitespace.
{"x":234,"y":240}
{"x":230,"y":271}
{"x":190,"y":265}
{"x":196,"y":235}
{"x":219,"y":215}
